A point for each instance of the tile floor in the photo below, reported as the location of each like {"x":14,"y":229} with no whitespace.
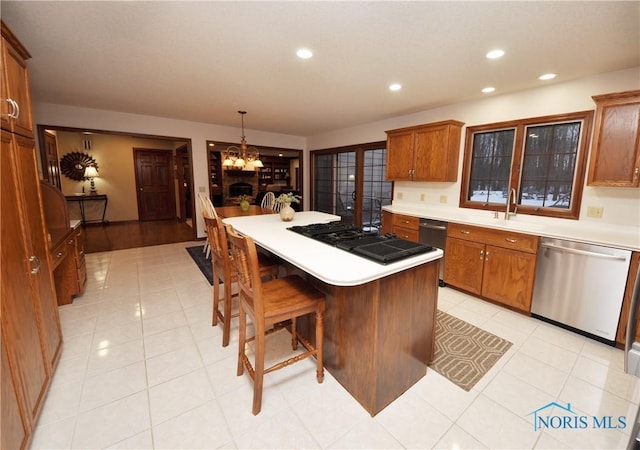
{"x":143,"y":368}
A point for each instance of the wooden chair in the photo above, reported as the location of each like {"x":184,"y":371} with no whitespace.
{"x":269,"y":304}
{"x":208,"y":210}
{"x":224,"y":270}
{"x":268,"y":201}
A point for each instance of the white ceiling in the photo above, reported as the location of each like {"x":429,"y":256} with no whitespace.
{"x":203,"y":61}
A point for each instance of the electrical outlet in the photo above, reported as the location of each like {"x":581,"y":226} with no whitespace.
{"x":399,"y":195}
{"x":421,"y":197}
{"x":443,"y":199}
{"x":595,"y":212}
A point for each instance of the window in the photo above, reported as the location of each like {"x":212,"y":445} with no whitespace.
{"x":542,"y":159}
{"x":350,"y":182}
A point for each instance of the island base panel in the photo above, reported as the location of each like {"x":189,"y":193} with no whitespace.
{"x":379,"y":337}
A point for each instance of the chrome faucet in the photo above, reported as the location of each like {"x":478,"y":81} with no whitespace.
{"x":511,"y":198}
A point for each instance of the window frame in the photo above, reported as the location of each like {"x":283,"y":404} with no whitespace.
{"x":517,"y":161}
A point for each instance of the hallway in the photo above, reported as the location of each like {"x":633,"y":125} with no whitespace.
{"x":124,"y":235}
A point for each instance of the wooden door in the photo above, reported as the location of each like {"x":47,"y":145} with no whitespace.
{"x":50,"y":160}
{"x":463,"y":264}
{"x":37,"y":236}
{"x":14,"y":427}
{"x":155,"y":184}
{"x":184,"y":182}
{"x":508,"y":277}
{"x":19,"y":315}
{"x":400,"y":155}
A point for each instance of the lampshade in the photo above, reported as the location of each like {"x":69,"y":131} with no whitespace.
{"x":243,"y":157}
{"x":91,"y":172}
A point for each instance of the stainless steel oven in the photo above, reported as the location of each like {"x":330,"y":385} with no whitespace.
{"x":434,"y":234}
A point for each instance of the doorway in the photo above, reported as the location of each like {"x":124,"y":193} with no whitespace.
{"x":350,"y":182}
{"x":154,"y":184}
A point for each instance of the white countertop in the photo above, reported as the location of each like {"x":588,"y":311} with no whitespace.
{"x":627,"y":238}
{"x":329,"y":264}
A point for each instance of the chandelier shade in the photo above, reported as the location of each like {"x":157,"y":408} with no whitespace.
{"x":243,"y":157}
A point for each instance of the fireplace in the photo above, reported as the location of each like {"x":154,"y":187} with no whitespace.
{"x":238,"y":189}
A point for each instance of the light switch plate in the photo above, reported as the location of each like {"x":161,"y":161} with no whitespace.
{"x":443,"y":199}
{"x":399,"y":196}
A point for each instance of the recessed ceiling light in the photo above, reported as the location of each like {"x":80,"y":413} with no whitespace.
{"x":395,"y":87}
{"x":547,"y":76}
{"x":304,"y":53}
{"x":497,"y":53}
{"x":488,"y":90}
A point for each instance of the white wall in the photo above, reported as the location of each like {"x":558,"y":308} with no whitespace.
{"x":70,"y":116}
{"x":621,"y":205}
{"x":114,"y":155}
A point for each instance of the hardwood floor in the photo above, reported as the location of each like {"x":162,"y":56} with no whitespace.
{"x":121,"y":235}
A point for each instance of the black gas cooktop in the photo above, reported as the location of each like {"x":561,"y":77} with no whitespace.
{"x":381,"y":248}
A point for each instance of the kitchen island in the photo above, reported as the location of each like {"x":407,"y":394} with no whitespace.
{"x":379,"y":324}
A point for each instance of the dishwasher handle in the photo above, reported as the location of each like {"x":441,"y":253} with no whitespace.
{"x":433,"y":227}
{"x":581,"y":252}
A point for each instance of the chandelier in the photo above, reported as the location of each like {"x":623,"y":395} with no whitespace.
{"x":243,"y":157}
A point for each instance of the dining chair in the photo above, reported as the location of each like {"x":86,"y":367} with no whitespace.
{"x":208,"y":210}
{"x":269,"y":200}
{"x":223,"y":270}
{"x":268,"y":305}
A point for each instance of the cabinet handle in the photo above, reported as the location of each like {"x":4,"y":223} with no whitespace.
{"x":12,"y":109}
{"x":513,"y":241}
{"x":481,"y":254}
{"x":465,"y":232}
{"x":636,"y":172}
{"x":486,"y":257}
{"x":59,"y":255}
{"x":17,"y":113}
{"x":36,"y":269}
{"x":70,"y":242}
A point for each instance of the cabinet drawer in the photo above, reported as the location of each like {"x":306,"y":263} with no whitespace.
{"x":410,"y":222}
{"x":59,"y":253}
{"x":499,"y":238}
{"x":406,"y":233}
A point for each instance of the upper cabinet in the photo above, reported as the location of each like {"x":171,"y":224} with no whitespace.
{"x":424,"y":153}
{"x":615,"y":152}
{"x":16,"y":101}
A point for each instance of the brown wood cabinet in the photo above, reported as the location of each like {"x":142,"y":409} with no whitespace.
{"x":66,"y":244}
{"x":424,"y":153}
{"x":275,"y":171}
{"x":406,"y":227}
{"x":494,"y":264}
{"x":31,"y":335}
{"x":615,"y":152}
{"x":626,"y":303}
{"x":16,"y":97}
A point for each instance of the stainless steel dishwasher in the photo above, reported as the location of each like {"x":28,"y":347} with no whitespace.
{"x":581,"y":286}
{"x":434,"y":233}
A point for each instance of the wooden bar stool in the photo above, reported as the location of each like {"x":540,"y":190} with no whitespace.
{"x":224,"y":270}
{"x":268,"y":304}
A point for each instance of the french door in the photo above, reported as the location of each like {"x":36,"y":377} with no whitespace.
{"x":350,"y":182}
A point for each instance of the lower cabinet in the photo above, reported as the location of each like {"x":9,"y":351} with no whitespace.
{"x":405,"y":227}
{"x":14,"y":430}
{"x":493,"y":264}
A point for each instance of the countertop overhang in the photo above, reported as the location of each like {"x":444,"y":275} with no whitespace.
{"x":623,"y":237}
{"x":329,"y":264}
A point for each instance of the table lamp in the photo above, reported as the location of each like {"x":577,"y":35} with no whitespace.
{"x":91,"y":172}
